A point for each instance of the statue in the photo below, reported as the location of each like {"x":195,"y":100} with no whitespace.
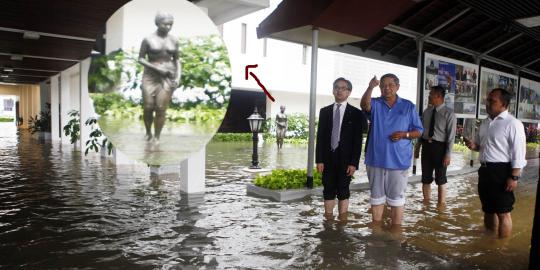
{"x":159,"y":56}
{"x":281,"y":126}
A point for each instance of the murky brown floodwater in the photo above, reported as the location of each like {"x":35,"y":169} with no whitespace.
{"x":58,"y":210}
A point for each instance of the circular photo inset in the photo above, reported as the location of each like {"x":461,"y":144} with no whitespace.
{"x":162,"y":88}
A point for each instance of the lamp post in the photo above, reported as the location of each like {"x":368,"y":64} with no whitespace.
{"x":255,"y":123}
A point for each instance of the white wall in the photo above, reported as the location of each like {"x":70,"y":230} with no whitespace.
{"x":299,"y":102}
{"x":283,"y":70}
{"x":129,"y":25}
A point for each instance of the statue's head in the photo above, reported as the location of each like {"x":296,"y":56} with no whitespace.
{"x":164,"y":21}
{"x":282,"y":108}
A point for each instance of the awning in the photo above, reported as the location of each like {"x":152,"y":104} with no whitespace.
{"x":338,"y":21}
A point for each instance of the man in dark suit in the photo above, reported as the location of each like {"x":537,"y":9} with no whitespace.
{"x":339,"y":144}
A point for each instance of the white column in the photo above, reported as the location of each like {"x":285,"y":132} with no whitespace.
{"x":192,"y":173}
{"x":55,"y":109}
{"x":65,"y":103}
{"x":85,"y":108}
{"x":69,"y":97}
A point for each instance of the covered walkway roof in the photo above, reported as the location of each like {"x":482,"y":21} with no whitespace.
{"x":469,"y":30}
{"x":40,"y":38}
{"x":66,"y":32}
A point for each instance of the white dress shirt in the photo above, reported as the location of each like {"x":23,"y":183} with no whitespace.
{"x":502,"y":140}
{"x":341,"y":111}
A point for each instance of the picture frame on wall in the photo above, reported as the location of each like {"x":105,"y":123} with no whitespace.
{"x":459,"y":79}
{"x":491,"y":79}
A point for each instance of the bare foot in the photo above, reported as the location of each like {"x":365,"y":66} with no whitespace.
{"x":329,"y":216}
{"x":343,"y":218}
{"x":441,"y":206}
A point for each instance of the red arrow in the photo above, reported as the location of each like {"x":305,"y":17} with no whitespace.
{"x":258,"y":81}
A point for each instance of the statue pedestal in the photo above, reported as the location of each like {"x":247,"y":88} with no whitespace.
{"x":192,"y":173}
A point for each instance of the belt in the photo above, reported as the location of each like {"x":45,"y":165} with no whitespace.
{"x":493,"y":164}
{"x":431,"y":141}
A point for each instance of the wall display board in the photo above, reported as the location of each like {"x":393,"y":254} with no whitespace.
{"x":529,"y":101}
{"x":460,"y":79}
{"x":490,"y":79}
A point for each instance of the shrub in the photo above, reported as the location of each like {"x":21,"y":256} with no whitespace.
{"x":6,"y":119}
{"x":73,"y":127}
{"x":95,"y":135}
{"x":286,"y":179}
{"x":232,"y":137}
{"x":41,"y":122}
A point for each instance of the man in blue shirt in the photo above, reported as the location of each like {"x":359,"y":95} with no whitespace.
{"x":394,"y":123}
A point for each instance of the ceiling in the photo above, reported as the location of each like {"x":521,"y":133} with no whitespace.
{"x":67,"y":31}
{"x":467,"y":30}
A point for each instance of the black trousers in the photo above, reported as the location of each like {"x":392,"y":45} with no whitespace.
{"x":432,"y":160}
{"x":492,"y":179}
{"x":335,"y":180}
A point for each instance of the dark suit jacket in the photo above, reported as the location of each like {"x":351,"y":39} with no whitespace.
{"x":350,"y":143}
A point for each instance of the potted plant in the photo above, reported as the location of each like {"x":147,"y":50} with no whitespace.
{"x":95,"y":135}
{"x":73,"y":128}
{"x":40,"y":125}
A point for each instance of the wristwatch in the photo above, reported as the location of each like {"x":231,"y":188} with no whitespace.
{"x":515,"y":177}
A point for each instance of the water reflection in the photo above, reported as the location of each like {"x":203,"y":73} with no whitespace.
{"x":58,"y":210}
{"x":177,"y":141}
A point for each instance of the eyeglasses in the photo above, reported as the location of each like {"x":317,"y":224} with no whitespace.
{"x":340,"y":88}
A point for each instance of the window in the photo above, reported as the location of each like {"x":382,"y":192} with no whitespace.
{"x":304,"y":54}
{"x":265,"y":47}
{"x":244,"y":33}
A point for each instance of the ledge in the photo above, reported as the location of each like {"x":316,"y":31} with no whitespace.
{"x":295,"y":194}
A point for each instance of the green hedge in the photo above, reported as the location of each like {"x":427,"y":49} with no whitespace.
{"x":286,"y":179}
{"x":232,"y":137}
{"x":6,"y":119}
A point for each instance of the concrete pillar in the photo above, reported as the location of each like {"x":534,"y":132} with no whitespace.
{"x":86,"y":109}
{"x":69,"y":97}
{"x":55,"y":109}
{"x":192,"y":173}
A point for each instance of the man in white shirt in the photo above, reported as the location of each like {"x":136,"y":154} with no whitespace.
{"x":501,"y":143}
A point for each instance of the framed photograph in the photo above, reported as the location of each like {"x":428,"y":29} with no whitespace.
{"x":459,"y":79}
{"x":529,"y":101}
{"x":490,"y":79}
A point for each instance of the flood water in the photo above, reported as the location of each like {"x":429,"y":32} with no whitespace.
{"x":60,"y":210}
{"x":177,"y":141}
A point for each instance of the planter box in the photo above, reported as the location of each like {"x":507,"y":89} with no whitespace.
{"x":281,"y":195}
{"x":295,"y":194}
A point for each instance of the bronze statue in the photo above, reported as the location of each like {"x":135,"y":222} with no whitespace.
{"x":281,"y":126}
{"x":159,"y":56}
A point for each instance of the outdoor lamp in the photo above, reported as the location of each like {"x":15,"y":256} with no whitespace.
{"x":255,"y":121}
{"x":255,"y":124}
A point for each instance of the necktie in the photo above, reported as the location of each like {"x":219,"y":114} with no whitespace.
{"x":334,"y":142}
{"x":432,"y":124}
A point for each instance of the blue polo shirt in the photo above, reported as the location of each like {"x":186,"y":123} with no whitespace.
{"x":381,"y":151}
